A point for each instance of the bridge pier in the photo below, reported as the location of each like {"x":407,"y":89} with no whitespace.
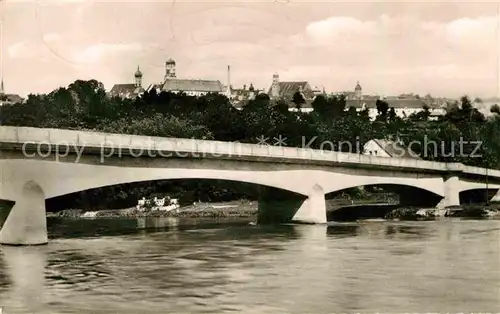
{"x":451,"y":192}
{"x":27,"y":220}
{"x":496,"y":197}
{"x":313,"y":209}
{"x":278,"y":206}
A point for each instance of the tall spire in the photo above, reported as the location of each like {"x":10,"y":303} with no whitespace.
{"x":228,"y":91}
{"x":138,"y":78}
{"x":138,"y":73}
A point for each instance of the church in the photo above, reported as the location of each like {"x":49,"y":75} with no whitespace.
{"x":131,"y":90}
{"x":170,"y":83}
{"x":8,"y":99}
{"x":189,"y":86}
{"x":285,"y":90}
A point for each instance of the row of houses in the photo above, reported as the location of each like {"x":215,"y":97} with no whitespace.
{"x":404,"y":105}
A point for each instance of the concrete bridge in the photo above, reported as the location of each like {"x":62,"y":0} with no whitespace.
{"x":36,"y":164}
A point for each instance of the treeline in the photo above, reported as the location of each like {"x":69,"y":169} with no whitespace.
{"x":84,"y":105}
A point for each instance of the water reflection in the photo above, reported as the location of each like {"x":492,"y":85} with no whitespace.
{"x":343,"y":230}
{"x":407,"y":231}
{"x":25,"y":267}
{"x":369,"y":266}
{"x":170,"y":223}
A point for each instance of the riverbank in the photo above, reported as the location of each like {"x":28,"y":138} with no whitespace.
{"x":240,"y":208}
{"x":462,"y":211}
{"x":248,"y":209}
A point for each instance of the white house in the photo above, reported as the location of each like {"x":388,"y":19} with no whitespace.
{"x":158,"y":204}
{"x":387,"y":148}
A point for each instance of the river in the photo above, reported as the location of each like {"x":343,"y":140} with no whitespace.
{"x":168,"y":265}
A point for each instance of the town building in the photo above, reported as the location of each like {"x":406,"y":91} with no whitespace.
{"x":129,"y":90}
{"x":388,"y":148}
{"x":404,"y":105}
{"x":239,"y":96}
{"x":190,"y":87}
{"x":286,"y":90}
{"x":8,"y":99}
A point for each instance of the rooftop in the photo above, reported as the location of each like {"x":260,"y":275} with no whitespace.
{"x":395,"y":149}
{"x":287,"y":89}
{"x":125,"y":90}
{"x":192,"y":85}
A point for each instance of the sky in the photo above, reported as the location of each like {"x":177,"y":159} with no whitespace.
{"x":443,"y":48}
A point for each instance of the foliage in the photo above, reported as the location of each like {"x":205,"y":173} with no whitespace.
{"x":298,"y":99}
{"x":84,"y":105}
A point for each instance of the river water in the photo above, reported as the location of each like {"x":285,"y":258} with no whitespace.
{"x":164,"y":265}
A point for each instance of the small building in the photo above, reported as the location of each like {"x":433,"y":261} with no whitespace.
{"x":158,"y":204}
{"x":244,"y":93}
{"x":8,"y":99}
{"x":240,"y":96}
{"x":129,"y":90}
{"x":388,"y":148}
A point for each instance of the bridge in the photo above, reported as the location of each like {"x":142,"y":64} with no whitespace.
{"x":37,"y":164}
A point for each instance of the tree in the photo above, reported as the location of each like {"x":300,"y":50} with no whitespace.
{"x":392,"y":114}
{"x":338,"y":105}
{"x":382,"y":109}
{"x":452,"y":107}
{"x":298,"y":99}
{"x":421,"y":116}
{"x":320,"y":105}
{"x":83,"y":105}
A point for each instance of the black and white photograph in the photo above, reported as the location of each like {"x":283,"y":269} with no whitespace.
{"x":249,"y":156}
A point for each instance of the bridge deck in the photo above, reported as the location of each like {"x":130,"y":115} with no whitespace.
{"x":17,"y":138}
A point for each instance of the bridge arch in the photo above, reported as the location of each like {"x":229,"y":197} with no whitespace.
{"x":429,"y":185}
{"x":58,"y":179}
{"x":408,"y":195}
{"x":185,"y":190}
{"x":477,"y":195}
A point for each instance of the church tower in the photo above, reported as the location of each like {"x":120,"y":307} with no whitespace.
{"x":138,"y":78}
{"x":275,"y":87}
{"x":251,"y":94}
{"x":228,"y":87}
{"x":358,"y":92}
{"x":169,"y":69}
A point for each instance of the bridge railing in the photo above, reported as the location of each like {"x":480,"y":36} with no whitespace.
{"x":125,"y":144}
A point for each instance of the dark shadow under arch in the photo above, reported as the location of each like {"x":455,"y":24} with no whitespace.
{"x":375,"y":201}
{"x":274,"y":205}
{"x":5,"y":207}
{"x":126,"y":195}
{"x":406,"y":195}
{"x":477,"y":196}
